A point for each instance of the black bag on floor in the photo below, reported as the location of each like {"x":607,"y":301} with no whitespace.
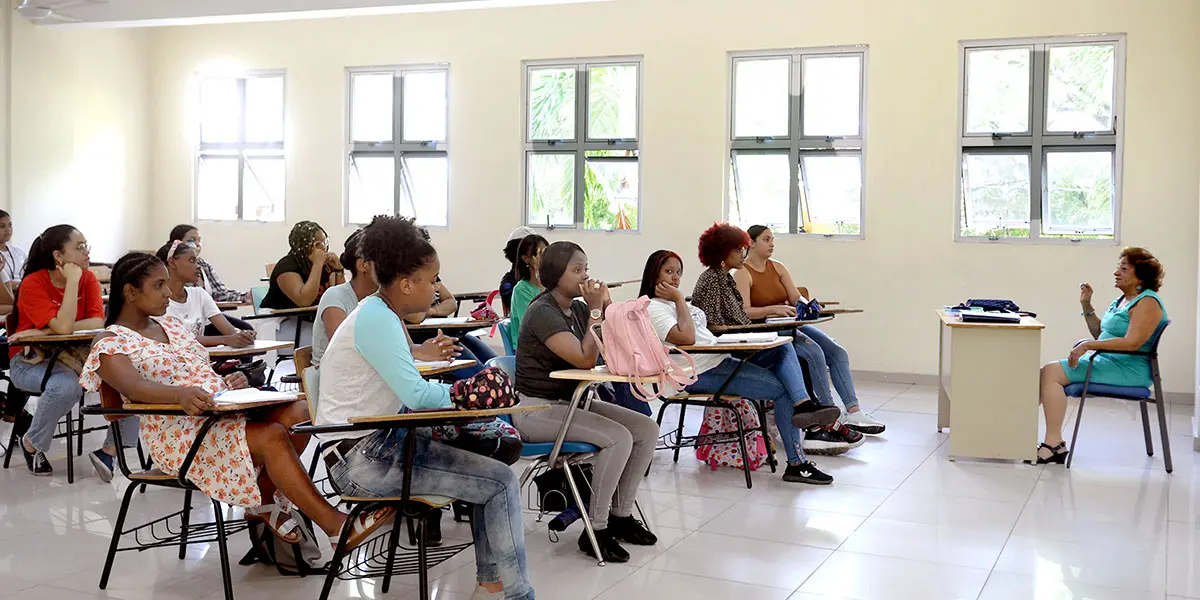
{"x":553,"y":492}
{"x":270,"y":550}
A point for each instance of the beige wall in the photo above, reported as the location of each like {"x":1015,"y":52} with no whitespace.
{"x":79,"y":135}
{"x":907,"y":266}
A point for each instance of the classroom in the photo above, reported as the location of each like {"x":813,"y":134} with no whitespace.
{"x":349,"y":254}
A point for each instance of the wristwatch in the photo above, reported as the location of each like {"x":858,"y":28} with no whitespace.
{"x":596,"y":314}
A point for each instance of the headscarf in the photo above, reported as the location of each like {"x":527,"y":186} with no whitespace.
{"x":301,"y":239}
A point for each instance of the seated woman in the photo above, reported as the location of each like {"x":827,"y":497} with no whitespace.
{"x":509,"y":280}
{"x":768,"y":291}
{"x":1127,"y":325}
{"x":58,"y":294}
{"x":238,"y":450}
{"x":554,"y":337}
{"x":300,"y":278}
{"x":724,"y":247}
{"x":191,"y":305}
{"x":366,"y":373}
{"x":209,"y":280}
{"x":12,"y":255}
{"x":529,"y":252}
{"x":340,"y":300}
{"x":772,"y":375}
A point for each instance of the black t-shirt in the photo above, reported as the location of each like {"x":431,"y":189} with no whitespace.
{"x":535,"y":361}
{"x":276,"y":298}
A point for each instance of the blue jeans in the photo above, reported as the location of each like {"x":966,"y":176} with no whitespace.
{"x":473,"y":349}
{"x":55,"y":402}
{"x":771,"y":375}
{"x":824,"y":355}
{"x":622,"y":396}
{"x":375,"y":468}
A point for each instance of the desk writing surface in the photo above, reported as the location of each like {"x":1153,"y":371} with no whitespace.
{"x":451,"y":325}
{"x":953,"y":320}
{"x":599,"y":374}
{"x":433,"y":369}
{"x":724,"y":348}
{"x":451,"y":414}
{"x":769,"y":326}
{"x":259,"y":347}
{"x":53,"y":338}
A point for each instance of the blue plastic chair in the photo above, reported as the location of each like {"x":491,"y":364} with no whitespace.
{"x":1140,"y":395}
{"x":506,"y":337}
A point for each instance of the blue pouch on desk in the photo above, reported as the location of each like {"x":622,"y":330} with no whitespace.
{"x":808,"y":311}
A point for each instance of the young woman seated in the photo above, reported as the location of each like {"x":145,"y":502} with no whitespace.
{"x":509,"y":280}
{"x":249,"y":460}
{"x":767,"y":290}
{"x":555,"y":337}
{"x":300,"y":278}
{"x":58,"y":295}
{"x":773,"y":375}
{"x":366,"y":373}
{"x":340,"y":300}
{"x":724,"y":247}
{"x":529,"y":252}
{"x":210,"y":281}
{"x":13,"y":257}
{"x":192,"y":305}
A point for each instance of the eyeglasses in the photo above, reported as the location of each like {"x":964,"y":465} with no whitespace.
{"x":84,"y":247}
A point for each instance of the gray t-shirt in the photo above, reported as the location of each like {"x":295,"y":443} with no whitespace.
{"x":535,"y":361}
{"x":339,"y":296}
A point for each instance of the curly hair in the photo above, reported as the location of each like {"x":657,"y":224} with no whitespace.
{"x":396,"y":247}
{"x":1146,"y":267}
{"x":718,"y":241}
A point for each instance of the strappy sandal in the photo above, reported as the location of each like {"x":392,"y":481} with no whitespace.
{"x":1058,"y":454}
{"x":365,"y":525}
{"x":287,"y":529}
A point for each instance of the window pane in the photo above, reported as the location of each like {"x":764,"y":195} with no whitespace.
{"x":217,"y":188}
{"x":371,"y":107}
{"x":220,"y":111}
{"x":611,"y":201}
{"x":551,"y":189}
{"x":424,"y":189}
{"x":760,"y":97}
{"x":552,"y":103}
{"x":613,"y":102}
{"x":831,"y":191}
{"x":832,"y":93}
{"x":263,"y":184}
{"x":995,"y":195}
{"x":758,"y":192}
{"x":1079,"y":91}
{"x":425,"y":106}
{"x":264,"y":109}
{"x":998,"y":90}
{"x":372,"y":187}
{"x":1080,"y":185}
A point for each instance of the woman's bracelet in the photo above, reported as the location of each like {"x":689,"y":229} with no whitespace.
{"x":1087,"y":314}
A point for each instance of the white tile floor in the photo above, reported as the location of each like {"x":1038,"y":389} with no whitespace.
{"x":901,"y":522}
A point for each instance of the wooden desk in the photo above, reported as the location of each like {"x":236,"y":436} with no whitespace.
{"x":839,"y":311}
{"x":727,"y":348}
{"x":988,"y":386}
{"x":456,"y":415}
{"x":600,"y":374}
{"x":447,"y":327}
{"x":428,"y":370}
{"x":617,"y":284}
{"x":228,"y":306}
{"x":268,"y":313}
{"x":781,"y":326}
{"x":259,"y":348}
{"x":55,"y":339}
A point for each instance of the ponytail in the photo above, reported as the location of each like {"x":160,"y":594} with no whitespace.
{"x":131,"y":269}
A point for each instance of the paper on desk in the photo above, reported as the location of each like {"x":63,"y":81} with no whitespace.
{"x":446,"y":321}
{"x":764,"y":337}
{"x":780,"y":319}
{"x":251,"y":395}
{"x":429,"y":365}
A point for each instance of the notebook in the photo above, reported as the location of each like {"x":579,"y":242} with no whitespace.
{"x":765,"y":337}
{"x":251,"y":395}
{"x":446,"y":321}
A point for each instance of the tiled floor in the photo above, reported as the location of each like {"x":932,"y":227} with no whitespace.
{"x":900,"y":522}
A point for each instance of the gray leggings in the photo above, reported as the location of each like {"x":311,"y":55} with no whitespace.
{"x":626,"y":440}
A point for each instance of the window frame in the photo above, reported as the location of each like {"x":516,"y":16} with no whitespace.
{"x":397,"y":148}
{"x":1038,"y":141}
{"x":225,"y":150}
{"x":796,"y":144}
{"x":580,"y":145}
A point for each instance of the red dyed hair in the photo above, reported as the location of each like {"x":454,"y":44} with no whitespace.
{"x":718,"y":241}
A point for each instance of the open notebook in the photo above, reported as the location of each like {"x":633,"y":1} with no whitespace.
{"x":764,"y":337}
{"x":430,"y":365}
{"x":251,"y":395}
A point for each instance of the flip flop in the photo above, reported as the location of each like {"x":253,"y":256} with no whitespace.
{"x":287,"y":530}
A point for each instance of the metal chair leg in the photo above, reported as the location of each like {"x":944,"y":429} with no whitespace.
{"x":1075,"y":436}
{"x":70,"y":450}
{"x":772,"y":461}
{"x":393,"y":543}
{"x":1161,"y":406}
{"x":584,"y":516}
{"x":226,"y":578}
{"x":12,"y":442}
{"x":339,"y":552}
{"x":679,"y":429}
{"x":741,"y":432}
{"x":1146,"y":428}
{"x":422,"y":561}
{"x":187,"y":519}
{"x":116,"y":536}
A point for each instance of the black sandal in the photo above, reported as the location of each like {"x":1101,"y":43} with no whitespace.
{"x":1058,"y":454}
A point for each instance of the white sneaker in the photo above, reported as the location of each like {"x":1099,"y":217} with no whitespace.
{"x":863,"y":422}
{"x":481,"y":593}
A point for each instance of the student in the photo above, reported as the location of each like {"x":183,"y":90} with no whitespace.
{"x":724,"y":247}
{"x":509,"y":280}
{"x":767,"y":290}
{"x":238,"y":451}
{"x":309,"y":269}
{"x":341,"y":300}
{"x":529,"y":252}
{"x":366,"y":373}
{"x":12,"y":255}
{"x":60,"y":295}
{"x":771,"y":375}
{"x":209,"y":280}
{"x":192,"y":305}
{"x":553,"y":338}
{"x":1127,"y":325}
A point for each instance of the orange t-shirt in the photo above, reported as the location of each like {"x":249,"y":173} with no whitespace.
{"x":766,"y":288}
{"x":38,"y":301}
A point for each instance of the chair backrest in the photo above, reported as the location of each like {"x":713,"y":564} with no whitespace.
{"x":270,"y":269}
{"x":257,"y":293}
{"x":110,"y":398}
{"x":506,"y":335}
{"x":1157,"y":338}
{"x":302,"y":358}
{"x":803,"y":292}
{"x":310,"y":381}
{"x":508,"y":364}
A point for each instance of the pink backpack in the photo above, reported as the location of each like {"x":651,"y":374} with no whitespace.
{"x":728,"y":454}
{"x":631,"y":348}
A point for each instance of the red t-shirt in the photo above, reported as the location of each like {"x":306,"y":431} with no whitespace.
{"x":38,"y":302}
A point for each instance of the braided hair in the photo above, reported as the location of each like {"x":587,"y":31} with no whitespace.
{"x":131,"y":269}
{"x":301,"y":240}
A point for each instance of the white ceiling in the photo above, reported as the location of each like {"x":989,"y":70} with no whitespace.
{"x":148,"y":13}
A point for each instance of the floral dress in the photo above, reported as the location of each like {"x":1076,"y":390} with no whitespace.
{"x":222,"y":468}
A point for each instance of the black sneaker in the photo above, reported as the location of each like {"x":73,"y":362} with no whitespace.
{"x":610,"y":549}
{"x":630,"y":530}
{"x":433,"y":528}
{"x":852,"y":437}
{"x":36,"y":461}
{"x":825,"y":442}
{"x":806,"y":472}
{"x":810,"y":414}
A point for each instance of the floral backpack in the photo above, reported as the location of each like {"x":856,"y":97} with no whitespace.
{"x":728,"y":454}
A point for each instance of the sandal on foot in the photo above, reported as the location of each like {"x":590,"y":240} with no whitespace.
{"x":367,"y":524}
{"x":1058,"y":454}
{"x":286,"y":529}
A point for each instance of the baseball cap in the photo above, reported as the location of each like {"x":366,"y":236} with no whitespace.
{"x":520,"y":233}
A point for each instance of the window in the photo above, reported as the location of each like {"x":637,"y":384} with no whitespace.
{"x":398,"y":152}
{"x":1039,"y":140}
{"x":583,"y":127}
{"x":239,"y":161}
{"x":796,"y":141}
